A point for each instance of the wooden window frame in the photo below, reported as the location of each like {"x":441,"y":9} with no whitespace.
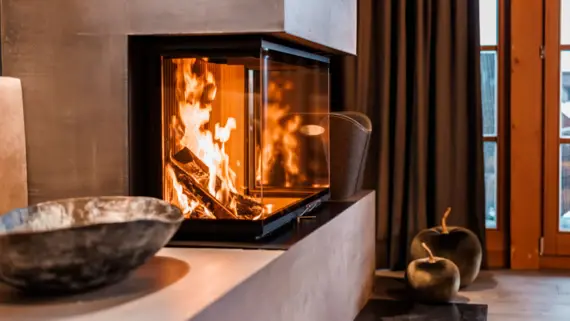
{"x":556,"y":243}
{"x":496,"y":238}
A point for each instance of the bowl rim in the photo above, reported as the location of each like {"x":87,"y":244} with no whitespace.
{"x":171,"y":208}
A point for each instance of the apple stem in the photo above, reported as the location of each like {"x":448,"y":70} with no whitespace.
{"x":444,"y":229}
{"x":431,"y":257}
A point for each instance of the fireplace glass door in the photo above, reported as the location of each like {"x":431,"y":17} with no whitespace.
{"x":245,"y":136}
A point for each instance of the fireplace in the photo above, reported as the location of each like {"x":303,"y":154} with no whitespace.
{"x":233,"y":130}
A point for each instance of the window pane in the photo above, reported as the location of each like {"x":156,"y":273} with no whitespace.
{"x":565,"y":23}
{"x":565,"y":93}
{"x":565,"y":187}
{"x":489,"y":92}
{"x":488,"y":22}
{"x":490,"y":154}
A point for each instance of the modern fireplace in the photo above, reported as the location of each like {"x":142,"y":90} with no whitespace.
{"x":233,"y":130}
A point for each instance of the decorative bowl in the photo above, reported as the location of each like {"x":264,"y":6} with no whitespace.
{"x":74,"y":245}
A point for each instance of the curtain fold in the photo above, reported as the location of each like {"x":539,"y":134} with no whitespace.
{"x":417,"y":78}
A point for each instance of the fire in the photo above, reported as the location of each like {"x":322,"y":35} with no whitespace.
{"x":199,"y":176}
{"x":182,"y":200}
{"x":195,"y":91}
{"x":279,"y":138}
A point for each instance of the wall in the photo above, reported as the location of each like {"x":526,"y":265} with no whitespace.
{"x":71,"y":56}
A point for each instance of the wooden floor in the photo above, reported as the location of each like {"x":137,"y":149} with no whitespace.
{"x":510,"y":295}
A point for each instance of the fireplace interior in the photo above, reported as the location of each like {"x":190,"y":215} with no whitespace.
{"x":234,"y":130}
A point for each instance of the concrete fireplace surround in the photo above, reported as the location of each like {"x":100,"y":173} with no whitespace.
{"x":71,"y":56}
{"x":73,"y":62}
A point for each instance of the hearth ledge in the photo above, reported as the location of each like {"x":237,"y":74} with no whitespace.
{"x":328,"y":275}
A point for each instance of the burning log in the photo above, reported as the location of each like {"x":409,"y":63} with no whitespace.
{"x":193,"y":187}
{"x":199,"y":213}
{"x":194,"y":175}
{"x":185,"y":156}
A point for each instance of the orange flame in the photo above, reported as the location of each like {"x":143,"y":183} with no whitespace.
{"x":195,"y":91}
{"x":279,"y":139}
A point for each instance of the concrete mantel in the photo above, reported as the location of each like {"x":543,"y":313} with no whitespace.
{"x":72,"y":59}
{"x":329,"y":24}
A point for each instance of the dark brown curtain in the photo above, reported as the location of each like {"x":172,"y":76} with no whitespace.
{"x":417,"y":77}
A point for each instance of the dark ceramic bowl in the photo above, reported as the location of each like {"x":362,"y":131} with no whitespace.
{"x":75,"y":245}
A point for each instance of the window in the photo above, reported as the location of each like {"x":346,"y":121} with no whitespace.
{"x":489,"y":22}
{"x":564,"y":103}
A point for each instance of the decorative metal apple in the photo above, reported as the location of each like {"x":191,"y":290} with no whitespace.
{"x":457,"y":244}
{"x":433,"y":279}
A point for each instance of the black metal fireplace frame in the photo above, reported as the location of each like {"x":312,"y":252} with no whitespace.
{"x":145,"y":127}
